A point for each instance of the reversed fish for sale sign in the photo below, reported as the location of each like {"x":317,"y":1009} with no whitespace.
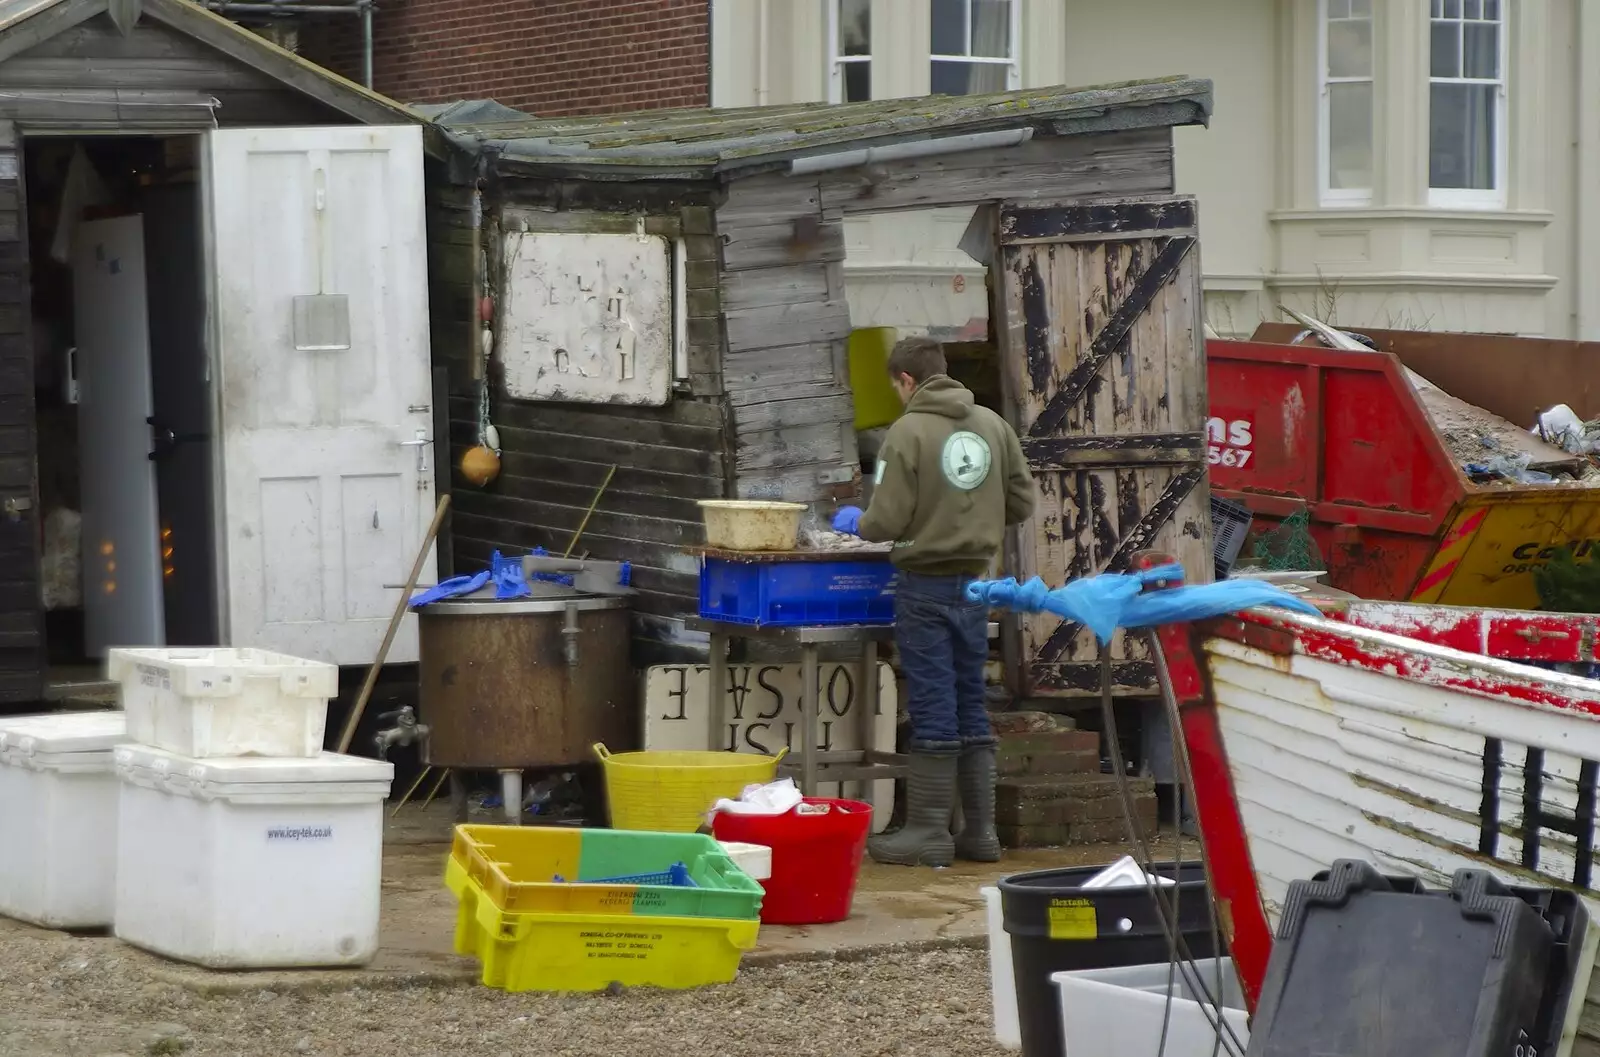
{"x":761,"y":706}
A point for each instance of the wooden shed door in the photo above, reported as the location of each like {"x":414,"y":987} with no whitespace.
{"x":22,"y":659}
{"x":1104,"y":376}
{"x":321,"y":317}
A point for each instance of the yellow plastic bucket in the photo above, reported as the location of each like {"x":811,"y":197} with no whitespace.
{"x":670,"y":792}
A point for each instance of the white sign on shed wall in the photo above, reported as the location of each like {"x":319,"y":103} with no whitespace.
{"x":761,"y":710}
{"x":587,"y":318}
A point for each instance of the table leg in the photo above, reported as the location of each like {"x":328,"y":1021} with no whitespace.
{"x":868,"y":719}
{"x":717,"y":681}
{"x":458,"y":796}
{"x":810,"y":710}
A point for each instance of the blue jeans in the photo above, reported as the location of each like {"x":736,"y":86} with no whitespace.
{"x":944,"y":643}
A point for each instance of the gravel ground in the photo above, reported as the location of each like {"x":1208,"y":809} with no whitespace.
{"x":62,"y":996}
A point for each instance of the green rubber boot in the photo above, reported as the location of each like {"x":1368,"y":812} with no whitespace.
{"x":930,"y":795}
{"x":975,"y":775}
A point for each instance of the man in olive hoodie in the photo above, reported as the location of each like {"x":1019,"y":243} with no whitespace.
{"x":950,"y":478}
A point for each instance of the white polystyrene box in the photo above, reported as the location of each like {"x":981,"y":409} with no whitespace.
{"x":753,"y":859}
{"x":224,"y":702}
{"x":58,"y":817}
{"x":1122,"y":1010}
{"x":250,"y":862}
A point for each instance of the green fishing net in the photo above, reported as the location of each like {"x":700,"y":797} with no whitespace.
{"x":1289,"y":547}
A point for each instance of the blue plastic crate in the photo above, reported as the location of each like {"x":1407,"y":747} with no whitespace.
{"x":789,"y":594}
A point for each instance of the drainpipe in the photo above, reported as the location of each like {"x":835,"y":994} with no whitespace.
{"x":1586,"y":261}
{"x":928,"y":148}
{"x":763,"y":13}
{"x":366,"y":44}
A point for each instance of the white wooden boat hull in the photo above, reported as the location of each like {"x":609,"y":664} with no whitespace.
{"x":1313,"y":740}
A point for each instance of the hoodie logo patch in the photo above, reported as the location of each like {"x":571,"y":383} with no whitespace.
{"x":965,"y":460}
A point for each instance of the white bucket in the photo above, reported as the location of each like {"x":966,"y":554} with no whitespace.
{"x":250,"y":863}
{"x":58,"y":818}
{"x":751,"y":524}
{"x":1002,"y":974}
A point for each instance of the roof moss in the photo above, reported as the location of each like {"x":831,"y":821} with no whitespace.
{"x":708,"y":143}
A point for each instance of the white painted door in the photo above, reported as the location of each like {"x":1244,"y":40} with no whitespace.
{"x":121,"y":549}
{"x":320,"y":321}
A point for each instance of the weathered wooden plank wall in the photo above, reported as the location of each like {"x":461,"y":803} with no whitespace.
{"x":21,"y":613}
{"x":555,"y":456}
{"x":788,"y":322}
{"x":94,"y":75}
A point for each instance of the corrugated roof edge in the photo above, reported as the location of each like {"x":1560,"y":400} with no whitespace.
{"x":704,"y":144}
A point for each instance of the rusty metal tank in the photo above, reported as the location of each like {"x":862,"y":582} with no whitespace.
{"x":527,"y":682}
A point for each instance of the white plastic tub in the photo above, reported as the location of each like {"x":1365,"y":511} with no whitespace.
{"x":58,"y":818}
{"x":224,"y":702}
{"x":1119,"y":1012}
{"x":250,"y":863}
{"x":751,"y":524}
{"x":1002,"y":975}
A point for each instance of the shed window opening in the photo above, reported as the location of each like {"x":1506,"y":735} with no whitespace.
{"x":850,"y":46}
{"x":1347,"y":101}
{"x":1466,"y":101}
{"x":973,"y":46}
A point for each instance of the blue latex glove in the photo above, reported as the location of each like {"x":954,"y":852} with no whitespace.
{"x":848,"y":520}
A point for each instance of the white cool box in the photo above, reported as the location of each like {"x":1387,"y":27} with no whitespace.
{"x":58,"y":818}
{"x":225,"y":837}
{"x":251,"y":862}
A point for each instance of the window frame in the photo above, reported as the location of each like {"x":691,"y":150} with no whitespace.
{"x":1342,"y":197}
{"x":1012,"y":62}
{"x":838,"y":61}
{"x":1471,"y":198}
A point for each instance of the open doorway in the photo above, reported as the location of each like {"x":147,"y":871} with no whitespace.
{"x":907,"y":274}
{"x":122,"y":391}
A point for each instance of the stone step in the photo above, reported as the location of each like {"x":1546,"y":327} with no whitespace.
{"x":1062,"y":752}
{"x":1035,"y":812}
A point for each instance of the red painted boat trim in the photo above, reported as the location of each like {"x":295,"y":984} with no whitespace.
{"x":1227,"y":850}
{"x":1338,"y":646}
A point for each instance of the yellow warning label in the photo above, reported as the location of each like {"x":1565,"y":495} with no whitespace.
{"x":1073,"y":919}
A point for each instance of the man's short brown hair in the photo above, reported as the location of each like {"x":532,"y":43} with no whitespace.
{"x":920,"y":357}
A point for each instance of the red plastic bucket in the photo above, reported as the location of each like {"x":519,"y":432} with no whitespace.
{"x":815,"y":859}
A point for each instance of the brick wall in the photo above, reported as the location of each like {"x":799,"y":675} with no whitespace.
{"x":549,"y":57}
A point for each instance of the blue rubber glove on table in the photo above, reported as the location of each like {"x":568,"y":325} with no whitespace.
{"x":848,"y":520}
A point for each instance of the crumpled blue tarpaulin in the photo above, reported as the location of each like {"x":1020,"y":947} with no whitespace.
{"x":1110,"y":601}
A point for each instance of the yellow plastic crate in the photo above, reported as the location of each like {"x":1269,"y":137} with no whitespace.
{"x":515,"y":866}
{"x":588,"y":952}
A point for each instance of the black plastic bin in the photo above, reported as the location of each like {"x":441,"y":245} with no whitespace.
{"x":1055,"y":926}
{"x":1382,"y":967}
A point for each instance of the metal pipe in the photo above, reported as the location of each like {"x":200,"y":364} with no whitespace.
{"x":927,"y":148}
{"x":763,"y":44}
{"x":476,"y":366}
{"x":267,"y":7}
{"x":366,"y":45}
{"x":569,"y":635}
